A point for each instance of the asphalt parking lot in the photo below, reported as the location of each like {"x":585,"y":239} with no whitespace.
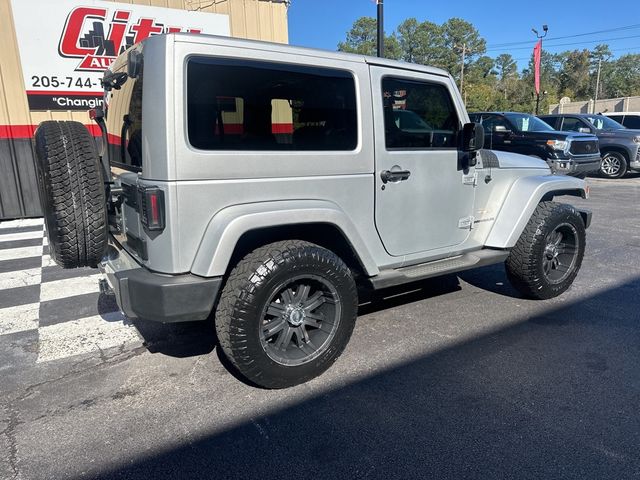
{"x":451,"y":378}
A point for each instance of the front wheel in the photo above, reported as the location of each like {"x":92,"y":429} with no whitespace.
{"x":286,"y":313}
{"x":613,"y":165}
{"x":548,"y":254}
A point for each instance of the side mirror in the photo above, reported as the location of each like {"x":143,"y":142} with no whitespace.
{"x":584,"y":130}
{"x":472,"y":137}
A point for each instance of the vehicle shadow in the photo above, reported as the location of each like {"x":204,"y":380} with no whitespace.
{"x":190,"y":339}
{"x":553,"y":395}
{"x":492,"y":278}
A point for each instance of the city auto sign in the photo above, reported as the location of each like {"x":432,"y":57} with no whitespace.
{"x":64,"y":58}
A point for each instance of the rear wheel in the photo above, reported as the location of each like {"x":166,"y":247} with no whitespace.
{"x":548,"y":254}
{"x":72,"y":193}
{"x":613,"y":165}
{"x":286,"y":313}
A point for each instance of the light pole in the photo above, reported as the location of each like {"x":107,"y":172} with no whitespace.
{"x":545,"y":29}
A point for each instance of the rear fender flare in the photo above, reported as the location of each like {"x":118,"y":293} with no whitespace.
{"x":229,"y":224}
{"x":522,"y":200}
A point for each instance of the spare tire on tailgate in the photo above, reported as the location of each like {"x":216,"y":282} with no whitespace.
{"x":72,"y":193}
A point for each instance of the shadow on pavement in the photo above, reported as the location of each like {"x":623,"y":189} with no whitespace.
{"x":553,"y":396}
{"x":492,"y":279}
{"x":197,"y":338}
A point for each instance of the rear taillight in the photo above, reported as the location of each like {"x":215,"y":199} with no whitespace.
{"x":152,"y":208}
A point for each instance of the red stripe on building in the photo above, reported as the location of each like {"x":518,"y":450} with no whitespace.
{"x":27,"y":131}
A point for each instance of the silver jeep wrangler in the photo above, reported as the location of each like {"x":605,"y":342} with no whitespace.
{"x":263,"y":184}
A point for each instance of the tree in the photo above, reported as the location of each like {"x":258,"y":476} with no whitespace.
{"x":362,"y":39}
{"x":624,"y":79}
{"x":495,"y":83}
{"x":506,"y":66}
{"x":575,"y":80}
{"x":421,"y":42}
{"x":458,"y":34}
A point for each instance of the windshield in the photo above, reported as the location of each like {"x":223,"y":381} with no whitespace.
{"x":604,"y":123}
{"x":528,"y":123}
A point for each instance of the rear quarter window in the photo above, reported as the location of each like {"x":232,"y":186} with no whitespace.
{"x":235,"y":104}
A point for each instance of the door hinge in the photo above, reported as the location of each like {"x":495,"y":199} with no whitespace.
{"x":470,"y":179}
{"x":466,"y":223}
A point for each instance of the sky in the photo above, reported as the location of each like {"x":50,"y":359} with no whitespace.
{"x":322,"y":24}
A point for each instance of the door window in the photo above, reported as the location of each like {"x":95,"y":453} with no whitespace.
{"x":632,"y":121}
{"x":490,"y":122}
{"x":418,"y":115}
{"x":573,"y":124}
{"x":554,"y":122}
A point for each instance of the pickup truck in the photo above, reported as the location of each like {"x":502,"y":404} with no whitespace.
{"x":570,"y":153}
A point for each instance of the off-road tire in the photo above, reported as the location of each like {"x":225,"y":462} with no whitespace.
{"x":524,"y":265}
{"x":246,"y":293}
{"x":72,"y":193}
{"x":620,"y":160}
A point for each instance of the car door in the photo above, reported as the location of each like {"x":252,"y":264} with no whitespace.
{"x":423,"y":199}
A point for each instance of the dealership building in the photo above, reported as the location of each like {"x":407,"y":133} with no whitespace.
{"x":53,"y":53}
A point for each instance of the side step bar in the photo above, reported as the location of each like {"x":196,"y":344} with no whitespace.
{"x":467,"y":261}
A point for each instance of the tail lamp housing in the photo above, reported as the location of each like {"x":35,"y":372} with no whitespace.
{"x":152,"y":212}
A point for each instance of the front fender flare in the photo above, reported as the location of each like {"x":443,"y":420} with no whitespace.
{"x":522,"y":200}
{"x":229,"y":224}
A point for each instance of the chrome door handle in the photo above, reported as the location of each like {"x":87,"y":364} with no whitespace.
{"x":394,"y":175}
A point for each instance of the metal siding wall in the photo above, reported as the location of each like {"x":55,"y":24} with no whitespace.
{"x":256,"y":19}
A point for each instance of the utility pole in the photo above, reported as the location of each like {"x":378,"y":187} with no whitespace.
{"x":545,"y":29}
{"x":597,"y":85}
{"x":464,"y":52}
{"x":380,"y":27}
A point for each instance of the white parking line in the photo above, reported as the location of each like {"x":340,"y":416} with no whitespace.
{"x":25,"y":222}
{"x":86,"y":335}
{"x":19,"y":319}
{"x":47,"y":261}
{"x":10,"y":237}
{"x":20,"y":278}
{"x":25,"y":252}
{"x":69,"y":287}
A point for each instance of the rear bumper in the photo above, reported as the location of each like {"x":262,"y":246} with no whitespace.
{"x":141,"y":293}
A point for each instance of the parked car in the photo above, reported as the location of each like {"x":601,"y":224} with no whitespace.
{"x":627,"y":119}
{"x":569,"y":153}
{"x":268,"y":183}
{"x":619,"y":146}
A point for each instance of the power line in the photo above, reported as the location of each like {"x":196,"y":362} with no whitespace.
{"x":627,"y":27}
{"x":571,"y":43}
{"x":520,"y":59}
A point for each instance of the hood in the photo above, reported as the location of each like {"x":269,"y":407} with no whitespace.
{"x":503,"y":160}
{"x":625,"y":133}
